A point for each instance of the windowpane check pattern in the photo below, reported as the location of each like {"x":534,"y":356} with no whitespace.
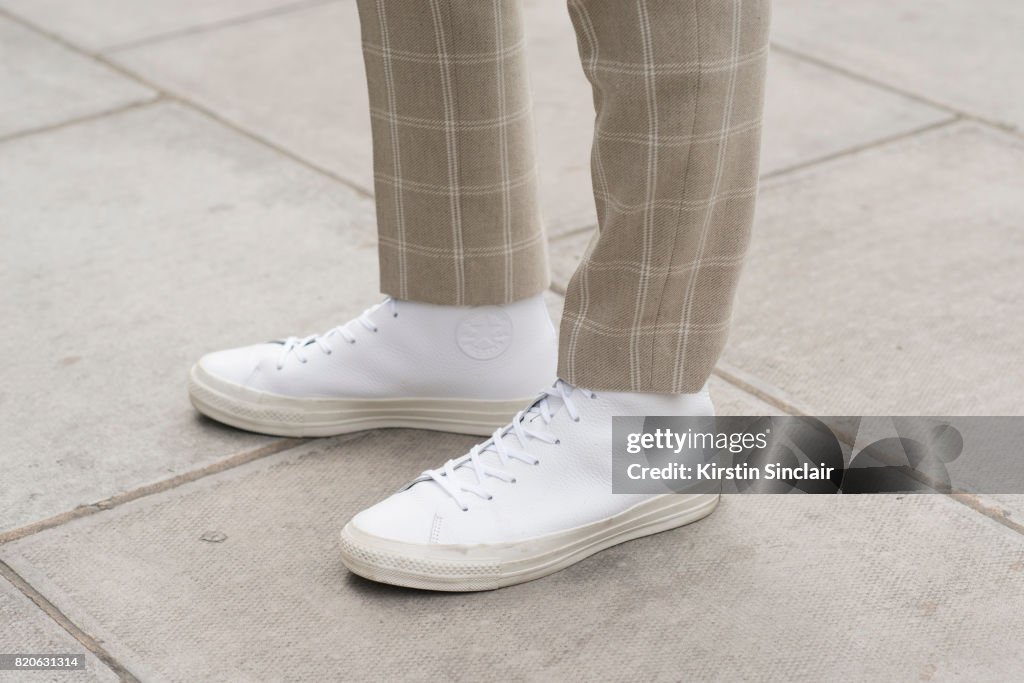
{"x":678,"y":91}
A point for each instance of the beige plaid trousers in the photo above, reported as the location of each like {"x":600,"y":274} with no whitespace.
{"x":678,"y":91}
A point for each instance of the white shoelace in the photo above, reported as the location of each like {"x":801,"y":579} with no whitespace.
{"x":296,"y":345}
{"x":522,"y":428}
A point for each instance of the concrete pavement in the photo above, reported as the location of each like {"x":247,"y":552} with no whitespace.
{"x":154,"y":154}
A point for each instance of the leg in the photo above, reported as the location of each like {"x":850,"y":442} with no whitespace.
{"x":678,"y":89}
{"x":457,"y":210}
{"x":453,"y":159}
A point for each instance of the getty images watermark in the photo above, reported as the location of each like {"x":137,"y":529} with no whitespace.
{"x":758,"y":454}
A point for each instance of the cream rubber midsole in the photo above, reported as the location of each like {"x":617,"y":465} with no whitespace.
{"x":489,"y":566}
{"x":267,"y":413}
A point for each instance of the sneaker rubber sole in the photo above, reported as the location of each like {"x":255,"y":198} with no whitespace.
{"x":266,"y":413}
{"x":486,"y":567}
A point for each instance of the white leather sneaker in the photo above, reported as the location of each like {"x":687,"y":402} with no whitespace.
{"x":399,"y":364}
{"x":533,"y":499}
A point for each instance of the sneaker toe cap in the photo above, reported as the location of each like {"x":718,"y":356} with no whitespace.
{"x":236,"y":365}
{"x":404,"y":517}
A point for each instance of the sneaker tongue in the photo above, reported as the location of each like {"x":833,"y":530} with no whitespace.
{"x":533,"y":413}
{"x":555,"y":404}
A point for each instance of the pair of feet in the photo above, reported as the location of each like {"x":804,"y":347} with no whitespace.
{"x":532,"y":499}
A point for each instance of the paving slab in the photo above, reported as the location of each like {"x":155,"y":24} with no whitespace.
{"x":887,"y":282}
{"x":100,"y":24}
{"x":962,"y":54}
{"x":44,"y":83}
{"x":731,"y":400}
{"x":297,"y":79}
{"x":899,"y":587}
{"x":132,"y":245}
{"x":811,"y":113}
{"x":28,"y":630}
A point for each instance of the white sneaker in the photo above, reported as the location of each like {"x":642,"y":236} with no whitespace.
{"x":399,"y":364}
{"x":533,"y":499}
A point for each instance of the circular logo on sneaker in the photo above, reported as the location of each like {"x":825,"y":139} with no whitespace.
{"x":485,"y":333}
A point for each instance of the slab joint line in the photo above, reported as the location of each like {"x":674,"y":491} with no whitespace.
{"x":166,"y":94}
{"x":873,"y":144}
{"x":156,"y":98}
{"x":199,"y":29}
{"x":150,"y":489}
{"x":917,"y":97}
{"x":62,"y":620}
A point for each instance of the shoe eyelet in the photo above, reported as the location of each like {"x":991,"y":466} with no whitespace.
{"x":490,"y":497}
{"x":394,"y":315}
{"x":576,"y":419}
{"x":280,"y":368}
{"x":329,"y":352}
{"x":558,"y":442}
{"x":465,"y":509}
{"x":536,"y":463}
{"x":352,"y":342}
{"x":304,"y":361}
{"x":513,"y":481}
